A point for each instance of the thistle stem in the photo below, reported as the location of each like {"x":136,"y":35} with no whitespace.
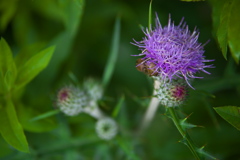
{"x":184,"y":133}
{"x":94,"y":112}
{"x":152,"y":108}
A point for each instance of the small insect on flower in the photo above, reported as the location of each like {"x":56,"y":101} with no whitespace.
{"x":171,"y":52}
{"x":145,"y":68}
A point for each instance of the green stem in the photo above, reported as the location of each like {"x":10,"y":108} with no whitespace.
{"x":150,"y":16}
{"x":184,"y":134}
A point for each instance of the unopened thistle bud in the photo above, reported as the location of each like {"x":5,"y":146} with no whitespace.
{"x":93,"y":88}
{"x":171,"y":93}
{"x":70,"y":100}
{"x":106,"y":128}
{"x":94,"y":92}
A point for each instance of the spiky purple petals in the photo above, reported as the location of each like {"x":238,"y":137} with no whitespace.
{"x":173,"y":51}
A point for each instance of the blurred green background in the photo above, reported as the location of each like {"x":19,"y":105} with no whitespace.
{"x":82,"y":32}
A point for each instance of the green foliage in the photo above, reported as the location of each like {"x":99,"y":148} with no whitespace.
{"x":226,"y":23}
{"x":113,"y":53}
{"x":118,"y":106}
{"x":33,"y":121}
{"x":33,"y":66}
{"x":127,"y":148}
{"x":185,"y":125}
{"x":45,"y":115}
{"x":13,"y":78}
{"x":8,"y":68}
{"x":10,"y":128}
{"x":231,"y":114}
{"x":30,"y":74}
{"x":192,"y":0}
{"x":150,"y":15}
{"x":8,"y":9}
{"x":205,"y":154}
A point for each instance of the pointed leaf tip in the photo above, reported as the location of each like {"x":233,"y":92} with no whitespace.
{"x":34,"y":66}
{"x":231,"y":114}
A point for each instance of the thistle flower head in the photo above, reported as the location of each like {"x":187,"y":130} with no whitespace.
{"x":70,"y":100}
{"x":171,"y":93}
{"x":172,"y":51}
{"x":106,"y":128}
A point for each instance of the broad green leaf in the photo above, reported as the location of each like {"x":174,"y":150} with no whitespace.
{"x":113,"y":53}
{"x":4,"y":86}
{"x":73,"y":11}
{"x":233,"y":30}
{"x":231,"y":114}
{"x":10,"y":128}
{"x":5,"y":149}
{"x":223,"y":28}
{"x":25,"y":115}
{"x":8,"y":68}
{"x":33,"y":66}
{"x":227,"y":25}
{"x":27,"y":52}
{"x":7,"y":10}
{"x":50,"y":9}
{"x":217,"y":6}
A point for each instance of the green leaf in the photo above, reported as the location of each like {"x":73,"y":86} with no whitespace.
{"x":118,"y":106}
{"x":5,"y":149}
{"x":73,"y":10}
{"x":45,"y":115}
{"x":233,"y":30}
{"x":126,"y":146}
{"x":223,"y":27}
{"x":8,"y":68}
{"x":27,"y":52}
{"x":33,"y":66}
{"x":113,"y":54}
{"x":26,"y":114}
{"x":10,"y":128}
{"x":205,"y":154}
{"x":7,"y":9}
{"x":217,"y":6}
{"x":227,"y":25}
{"x":231,"y":114}
{"x":150,"y":16}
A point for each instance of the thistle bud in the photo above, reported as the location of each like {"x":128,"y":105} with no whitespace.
{"x":171,"y":93}
{"x":93,"y":88}
{"x":106,"y":128}
{"x":70,"y":100}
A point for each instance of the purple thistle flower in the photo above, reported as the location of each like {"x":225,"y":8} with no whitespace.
{"x":172,"y":51}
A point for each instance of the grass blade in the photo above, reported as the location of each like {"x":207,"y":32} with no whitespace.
{"x":113,"y":53}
